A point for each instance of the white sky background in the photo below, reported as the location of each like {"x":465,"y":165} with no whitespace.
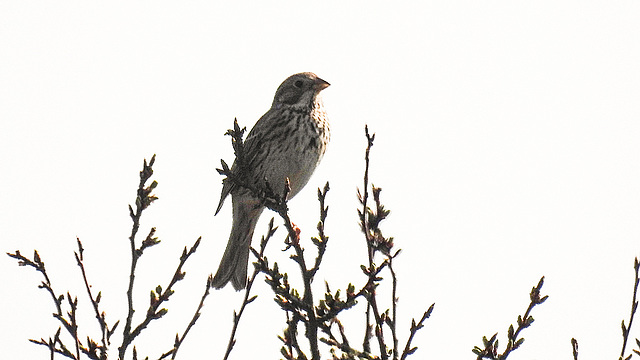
{"x":507,"y":149}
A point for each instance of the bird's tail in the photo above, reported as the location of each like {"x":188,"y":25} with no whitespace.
{"x":233,"y":266}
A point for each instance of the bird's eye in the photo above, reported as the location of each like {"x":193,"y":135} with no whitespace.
{"x":298,"y":84}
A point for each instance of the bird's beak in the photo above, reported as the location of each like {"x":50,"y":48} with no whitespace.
{"x":321,"y":84}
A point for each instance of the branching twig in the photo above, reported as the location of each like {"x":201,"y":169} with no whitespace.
{"x":373,"y":237}
{"x":92,"y":349}
{"x":278,"y":203}
{"x":38,"y":265}
{"x":158,"y":297}
{"x":143,"y":200}
{"x":343,"y":345}
{"x":311,"y":322}
{"x":370,"y":220}
{"x":301,"y":308}
{"x":56,"y":345}
{"x":371,"y":295}
{"x":490,"y":350}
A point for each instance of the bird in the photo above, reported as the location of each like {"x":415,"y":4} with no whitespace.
{"x":287,"y":142}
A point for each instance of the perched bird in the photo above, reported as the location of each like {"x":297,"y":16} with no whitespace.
{"x":288,"y":141}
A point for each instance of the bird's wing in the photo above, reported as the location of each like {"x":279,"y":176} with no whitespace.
{"x":253,"y":142}
{"x":253,"y":151}
{"x":260,"y":135}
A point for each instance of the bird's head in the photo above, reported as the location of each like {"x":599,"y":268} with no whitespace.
{"x":299,"y":90}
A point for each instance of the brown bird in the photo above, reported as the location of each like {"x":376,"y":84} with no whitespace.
{"x":288,"y":141}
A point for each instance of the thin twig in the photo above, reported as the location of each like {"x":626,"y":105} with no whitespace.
{"x":247,"y":300}
{"x":394,"y":306}
{"x":490,"y":350}
{"x":574,"y":348}
{"x":408,"y":350}
{"x":634,"y":307}
{"x":73,"y":304}
{"x":180,"y":339}
{"x":289,"y":343}
{"x":321,"y":241}
{"x":94,"y":301}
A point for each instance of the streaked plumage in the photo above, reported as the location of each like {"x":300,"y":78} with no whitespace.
{"x":288,"y":141}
